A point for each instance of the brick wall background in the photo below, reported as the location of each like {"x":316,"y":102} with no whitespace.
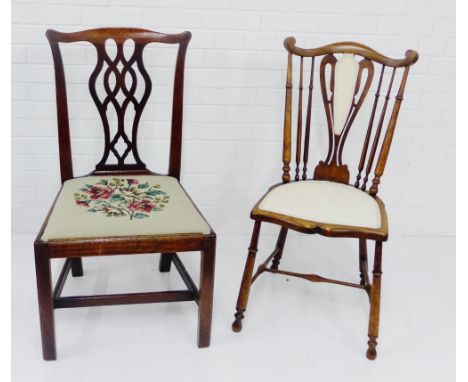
{"x":235,"y":77}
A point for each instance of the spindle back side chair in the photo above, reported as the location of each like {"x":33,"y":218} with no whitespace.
{"x":121,"y":207}
{"x":329,"y":203}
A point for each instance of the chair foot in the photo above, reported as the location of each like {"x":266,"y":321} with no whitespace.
{"x":46,"y":304}
{"x":237,"y":324}
{"x":246,"y":282}
{"x":371,"y":353}
{"x":205,"y":303}
{"x":374,"y":315}
{"x":77,"y":267}
{"x":165,"y":262}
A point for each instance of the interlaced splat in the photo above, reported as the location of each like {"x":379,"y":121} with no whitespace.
{"x":124,"y":88}
{"x":120,"y":67}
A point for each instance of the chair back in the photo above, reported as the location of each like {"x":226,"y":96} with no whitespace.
{"x":119,"y":76}
{"x":344,"y":83}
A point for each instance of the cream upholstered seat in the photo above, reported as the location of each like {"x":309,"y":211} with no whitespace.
{"x":110,"y":206}
{"x":324,"y":202}
{"x":328,"y":205}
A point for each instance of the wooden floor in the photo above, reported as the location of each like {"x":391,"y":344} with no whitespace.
{"x":321,"y":329}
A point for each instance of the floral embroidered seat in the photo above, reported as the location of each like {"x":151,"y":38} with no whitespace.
{"x":110,"y":206}
{"x":122,"y":207}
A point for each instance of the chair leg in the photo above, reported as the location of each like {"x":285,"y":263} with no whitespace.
{"x":279,"y":248}
{"x":46,"y":304}
{"x":77,"y":267}
{"x":205,"y":303}
{"x":246,"y":280}
{"x":165,"y":262}
{"x":375,"y":303}
{"x":363,"y":268}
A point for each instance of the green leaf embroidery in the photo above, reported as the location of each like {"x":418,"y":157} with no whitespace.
{"x":155,"y":192}
{"x":139,"y":215}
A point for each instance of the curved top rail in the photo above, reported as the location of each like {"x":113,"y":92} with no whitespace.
{"x":411,"y":56}
{"x":100,"y":35}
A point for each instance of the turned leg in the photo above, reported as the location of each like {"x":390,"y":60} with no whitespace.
{"x":205,"y":303}
{"x":279,"y":248}
{"x":46,"y":304}
{"x":246,"y":280}
{"x":375,"y":303}
{"x":165,"y":262}
{"x":77,"y":267}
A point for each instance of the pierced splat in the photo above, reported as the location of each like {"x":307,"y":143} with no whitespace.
{"x":119,"y":96}
{"x":343,"y":96}
{"x":126,"y":89}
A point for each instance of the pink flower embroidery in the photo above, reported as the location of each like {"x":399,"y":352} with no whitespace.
{"x":141,"y":205}
{"x":120,"y":197}
{"x":97,"y":192}
{"x":84,"y":203}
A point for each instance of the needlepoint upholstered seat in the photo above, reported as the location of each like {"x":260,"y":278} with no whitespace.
{"x":332,"y":201}
{"x":103,"y":206}
{"x":121,"y":207}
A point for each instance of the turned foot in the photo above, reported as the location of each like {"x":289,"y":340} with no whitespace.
{"x":237,"y":324}
{"x":244,"y":291}
{"x":371,"y":350}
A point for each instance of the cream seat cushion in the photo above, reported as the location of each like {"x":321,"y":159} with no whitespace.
{"x":110,"y":206}
{"x":324,"y":202}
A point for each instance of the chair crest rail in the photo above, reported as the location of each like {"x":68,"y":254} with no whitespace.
{"x":352,"y":47}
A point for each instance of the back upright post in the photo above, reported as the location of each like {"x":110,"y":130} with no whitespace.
{"x":287,"y":124}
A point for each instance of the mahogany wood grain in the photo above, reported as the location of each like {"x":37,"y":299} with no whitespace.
{"x":77,"y":267}
{"x":120,"y":68}
{"x":108,"y":66}
{"x":46,"y":304}
{"x":205,"y":302}
{"x":165,"y":261}
{"x":123,"y":299}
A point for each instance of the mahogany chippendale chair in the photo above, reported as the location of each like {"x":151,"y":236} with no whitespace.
{"x":329,"y":203}
{"x":121,"y":208}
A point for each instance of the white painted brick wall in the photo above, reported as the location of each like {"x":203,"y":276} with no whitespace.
{"x":234,"y":99}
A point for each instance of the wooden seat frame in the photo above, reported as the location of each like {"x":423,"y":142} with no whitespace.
{"x":74,"y":249}
{"x":333,"y":169}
